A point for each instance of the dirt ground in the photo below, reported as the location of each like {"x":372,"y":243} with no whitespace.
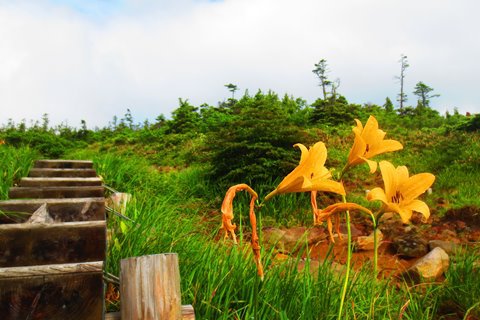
{"x":459,"y":227}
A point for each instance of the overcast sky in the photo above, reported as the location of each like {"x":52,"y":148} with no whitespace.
{"x":91,"y":60}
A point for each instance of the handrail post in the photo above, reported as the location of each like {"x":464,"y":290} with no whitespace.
{"x":150,"y":287}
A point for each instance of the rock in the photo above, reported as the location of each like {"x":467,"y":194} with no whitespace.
{"x":448,"y":246}
{"x":391,"y":228}
{"x":290,"y":240}
{"x":411,"y":244}
{"x":315,"y":265}
{"x":353,"y":230}
{"x":271,"y":236}
{"x":431,"y":266}
{"x":366,"y":243}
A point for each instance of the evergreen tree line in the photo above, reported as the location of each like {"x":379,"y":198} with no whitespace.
{"x":248,"y":139}
{"x":244,"y":140}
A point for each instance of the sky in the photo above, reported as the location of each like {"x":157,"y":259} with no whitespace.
{"x":91,"y":60}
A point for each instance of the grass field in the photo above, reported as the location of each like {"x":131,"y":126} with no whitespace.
{"x":179,"y":212}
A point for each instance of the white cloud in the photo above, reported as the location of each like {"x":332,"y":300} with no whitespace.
{"x":86,"y":64}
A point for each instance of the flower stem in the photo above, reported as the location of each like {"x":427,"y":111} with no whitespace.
{"x":349,"y":258}
{"x":376,"y":220}
{"x":375,"y":249}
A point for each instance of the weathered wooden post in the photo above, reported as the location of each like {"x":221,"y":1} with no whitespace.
{"x":150,"y":288}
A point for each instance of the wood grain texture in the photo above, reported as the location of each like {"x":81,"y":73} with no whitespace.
{"x":59,"y":182}
{"x":150,"y":288}
{"x":79,"y":173}
{"x":55,"y":192}
{"x":64,"y":164}
{"x":40,"y":243}
{"x":53,"y":296}
{"x":51,"y":269}
{"x":188,"y":313}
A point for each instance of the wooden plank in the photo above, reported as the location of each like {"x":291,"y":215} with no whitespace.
{"x":41,"y":244}
{"x":18,"y":212}
{"x":187,"y":314}
{"x":113,"y":316}
{"x":79,"y":173}
{"x":55,"y":192}
{"x":51,"y":269}
{"x":59,"y":182}
{"x":64,"y":164}
{"x":150,"y":287}
{"x":66,"y":293}
{"x":61,"y":210}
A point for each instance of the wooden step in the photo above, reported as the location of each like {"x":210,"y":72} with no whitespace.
{"x":55,"y":192}
{"x":64,"y":164}
{"x":28,"y":244}
{"x":61,"y":210}
{"x":59,"y":182}
{"x":62,"y":173}
{"x":55,"y":292}
{"x":52,"y":246}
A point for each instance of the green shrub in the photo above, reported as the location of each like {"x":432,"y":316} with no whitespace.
{"x":257,"y":143}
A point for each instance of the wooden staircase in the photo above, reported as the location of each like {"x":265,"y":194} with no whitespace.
{"x":53,"y":244}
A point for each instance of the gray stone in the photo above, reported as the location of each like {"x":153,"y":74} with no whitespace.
{"x":366,"y":243}
{"x":410,"y":245}
{"x":431,"y":266}
{"x":292,"y":239}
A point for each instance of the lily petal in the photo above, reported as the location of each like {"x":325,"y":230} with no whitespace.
{"x":358,"y":149}
{"x":402,"y":174}
{"x":405,"y":214}
{"x":377,"y":194}
{"x":389,"y":178}
{"x":386,"y":146}
{"x":370,"y":130}
{"x":417,"y":185}
{"x":326,"y":214}
{"x":372,"y":164}
{"x":359,"y":128}
{"x":419,"y":206}
{"x":327,"y":186}
{"x":304,"y":151}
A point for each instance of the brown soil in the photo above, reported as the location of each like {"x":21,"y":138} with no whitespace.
{"x":389,"y":264}
{"x":460,"y":226}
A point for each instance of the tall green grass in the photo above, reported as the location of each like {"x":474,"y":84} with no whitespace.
{"x":14,"y":164}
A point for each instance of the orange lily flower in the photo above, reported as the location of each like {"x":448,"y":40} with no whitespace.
{"x":401,"y":191}
{"x":368,"y":143}
{"x":326,"y":214}
{"x":310,"y":174}
{"x":228,"y":226}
